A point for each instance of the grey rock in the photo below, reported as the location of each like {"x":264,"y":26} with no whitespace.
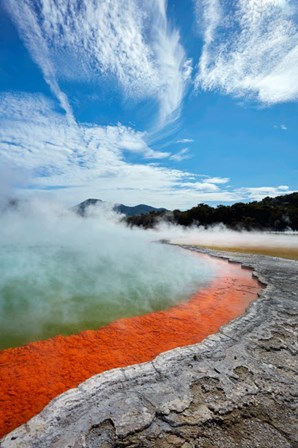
{"x":237,"y":388}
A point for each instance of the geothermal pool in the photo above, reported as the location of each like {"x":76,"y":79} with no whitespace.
{"x":32,"y":375}
{"x":46,"y":290}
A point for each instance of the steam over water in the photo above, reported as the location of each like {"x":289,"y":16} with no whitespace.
{"x":60,"y":273}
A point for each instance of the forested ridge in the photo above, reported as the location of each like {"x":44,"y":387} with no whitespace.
{"x":276,"y":214}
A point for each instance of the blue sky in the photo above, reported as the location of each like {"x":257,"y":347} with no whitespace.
{"x":166,"y":103}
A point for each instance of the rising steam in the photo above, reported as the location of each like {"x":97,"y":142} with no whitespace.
{"x":61,"y":273}
{"x":220,"y":236}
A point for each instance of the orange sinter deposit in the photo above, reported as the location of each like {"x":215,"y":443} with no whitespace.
{"x":32,"y":375}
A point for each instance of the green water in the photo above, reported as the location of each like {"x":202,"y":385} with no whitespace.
{"x":50,"y":290}
{"x":94,"y":318}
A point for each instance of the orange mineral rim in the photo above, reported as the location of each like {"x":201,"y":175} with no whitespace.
{"x":32,"y":375}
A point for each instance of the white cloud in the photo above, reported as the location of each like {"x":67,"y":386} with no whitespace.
{"x":183,"y":154}
{"x":81,"y":158}
{"x":20,"y":106}
{"x":185,"y":140}
{"x":217,"y":180}
{"x":33,"y":135}
{"x":201,"y":186}
{"x":250,"y":48}
{"x":283,"y":127}
{"x":258,"y":193}
{"x":33,"y":37}
{"x":89,"y":40}
{"x":174,"y":70}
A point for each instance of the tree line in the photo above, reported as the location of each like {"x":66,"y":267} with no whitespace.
{"x":274,"y":214}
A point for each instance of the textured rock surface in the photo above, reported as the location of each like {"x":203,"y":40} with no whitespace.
{"x":235,"y":389}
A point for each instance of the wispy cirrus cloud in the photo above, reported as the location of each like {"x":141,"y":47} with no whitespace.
{"x":250,"y":48}
{"x":183,"y":154}
{"x":185,"y":140}
{"x":32,"y":34}
{"x":125,"y":40}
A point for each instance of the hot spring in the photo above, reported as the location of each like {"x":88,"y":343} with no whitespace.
{"x":61,"y":274}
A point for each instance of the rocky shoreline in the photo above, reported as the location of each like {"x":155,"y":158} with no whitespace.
{"x":237,"y":388}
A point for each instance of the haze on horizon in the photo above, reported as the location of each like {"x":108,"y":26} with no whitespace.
{"x":168,"y":103}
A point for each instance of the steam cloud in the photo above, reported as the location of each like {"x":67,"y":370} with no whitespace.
{"x":60,"y":272}
{"x":221,"y":236}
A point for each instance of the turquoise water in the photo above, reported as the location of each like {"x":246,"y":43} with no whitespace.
{"x":50,"y":289}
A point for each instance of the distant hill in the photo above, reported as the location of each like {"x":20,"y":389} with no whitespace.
{"x":141,"y":209}
{"x":82,"y":208}
{"x":275,"y":214}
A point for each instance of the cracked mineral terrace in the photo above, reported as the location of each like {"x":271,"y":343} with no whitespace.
{"x":237,"y":388}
